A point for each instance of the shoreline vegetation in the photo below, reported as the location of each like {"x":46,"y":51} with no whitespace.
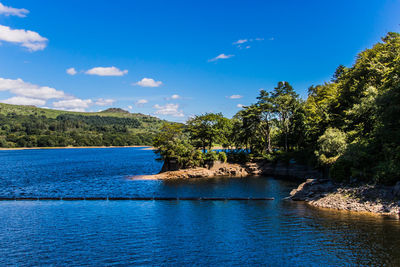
{"x":347,"y":130}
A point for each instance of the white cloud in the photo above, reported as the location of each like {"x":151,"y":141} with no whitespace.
{"x":130,"y":107}
{"x":21,"y":88}
{"x":148,"y":82}
{"x":29,"y":39}
{"x":235,"y":96}
{"x":106,"y":71}
{"x":11,"y":11}
{"x":239,"y":105}
{"x":175,"y":96}
{"x":220,"y":56}
{"x":104,"y":102}
{"x":241,"y":41}
{"x":141,"y":102}
{"x":21,"y":100}
{"x":71,"y":71}
{"x":75,"y":104}
{"x":169,"y":109}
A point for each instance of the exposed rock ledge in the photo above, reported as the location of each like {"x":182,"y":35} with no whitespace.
{"x":360,"y":198}
{"x":236,"y":170}
{"x":218,"y":169}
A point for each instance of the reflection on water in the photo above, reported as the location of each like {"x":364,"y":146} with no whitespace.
{"x":273,"y":233}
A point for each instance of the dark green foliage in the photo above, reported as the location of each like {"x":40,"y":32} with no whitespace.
{"x":238,"y":156}
{"x":211,"y":156}
{"x":173,"y":144}
{"x":222,"y":156}
{"x":207,"y":129}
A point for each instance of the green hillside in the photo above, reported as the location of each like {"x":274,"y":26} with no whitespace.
{"x":29,"y":126}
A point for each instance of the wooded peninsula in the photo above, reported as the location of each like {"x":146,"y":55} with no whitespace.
{"x":348,"y":127}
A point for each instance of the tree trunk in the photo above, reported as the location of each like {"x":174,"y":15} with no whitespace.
{"x":269,"y":148}
{"x":286,"y":145}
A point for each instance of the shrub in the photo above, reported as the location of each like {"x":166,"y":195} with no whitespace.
{"x":211,"y":156}
{"x":331,"y":145}
{"x":222,"y":157}
{"x":238,"y":156}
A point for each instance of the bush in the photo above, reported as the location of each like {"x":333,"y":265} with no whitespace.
{"x":238,"y":156}
{"x":331,"y":145}
{"x":211,"y":156}
{"x":222,"y":157}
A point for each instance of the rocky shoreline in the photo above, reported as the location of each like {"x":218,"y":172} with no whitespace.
{"x":318,"y":192}
{"x":218,"y":169}
{"x":323,"y":193}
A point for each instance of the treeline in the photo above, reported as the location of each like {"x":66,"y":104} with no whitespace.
{"x":72,"y":130}
{"x":349,"y":126}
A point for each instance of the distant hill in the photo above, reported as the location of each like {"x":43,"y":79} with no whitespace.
{"x":29,"y":126}
{"x":115,"y":110}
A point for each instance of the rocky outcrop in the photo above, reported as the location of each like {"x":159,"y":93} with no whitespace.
{"x":359,"y":198}
{"x":312,"y":188}
{"x":170,"y":170}
{"x":216,"y":170}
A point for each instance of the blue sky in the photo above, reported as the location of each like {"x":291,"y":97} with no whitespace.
{"x":173,"y":59}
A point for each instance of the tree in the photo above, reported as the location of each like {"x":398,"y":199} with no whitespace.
{"x":285,"y":102}
{"x":173,"y":144}
{"x":248,"y":129}
{"x":207,"y":129}
{"x":267,"y":111}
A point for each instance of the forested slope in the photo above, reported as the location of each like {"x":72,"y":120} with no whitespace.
{"x":28,"y":126}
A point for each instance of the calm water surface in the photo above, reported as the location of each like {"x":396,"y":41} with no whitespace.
{"x":98,"y":233}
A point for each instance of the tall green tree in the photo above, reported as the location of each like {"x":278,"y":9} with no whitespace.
{"x":285,"y":101}
{"x":267,"y":112}
{"x":249,"y":133}
{"x":207,"y":129}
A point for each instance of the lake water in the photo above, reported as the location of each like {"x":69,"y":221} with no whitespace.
{"x":180,"y":233}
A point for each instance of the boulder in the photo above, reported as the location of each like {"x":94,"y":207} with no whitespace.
{"x":311,"y":188}
{"x":396,"y":190}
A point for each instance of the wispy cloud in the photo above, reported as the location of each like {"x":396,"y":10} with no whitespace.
{"x":243,"y":43}
{"x":106,"y":71}
{"x":141,"y":102}
{"x":11,"y":11}
{"x":168,"y":109}
{"x":148,"y":82}
{"x":28,"y":39}
{"x":240,"y":41}
{"x":235,"y":96}
{"x":174,"y":97}
{"x":71,"y":71}
{"x":239,"y":105}
{"x":220,"y":56}
{"x":104,"y":102}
